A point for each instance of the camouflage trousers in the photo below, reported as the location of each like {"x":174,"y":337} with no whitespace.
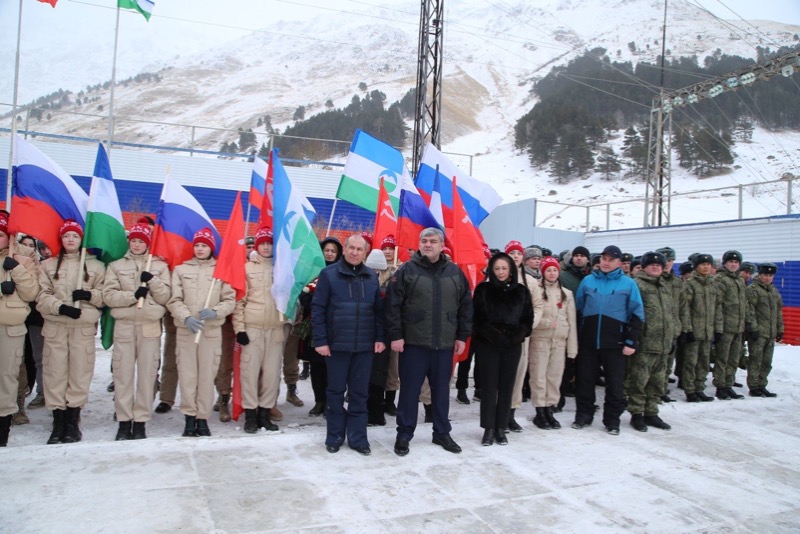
{"x":726,"y":359}
{"x":695,"y":365}
{"x":645,"y":381}
{"x":760,"y":361}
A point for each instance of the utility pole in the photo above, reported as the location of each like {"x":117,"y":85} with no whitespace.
{"x":659,"y":152}
{"x":428,"y":103}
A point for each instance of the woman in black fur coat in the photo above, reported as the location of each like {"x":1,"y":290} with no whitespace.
{"x":503,"y":318}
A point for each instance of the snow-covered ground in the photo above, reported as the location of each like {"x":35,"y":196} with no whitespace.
{"x":726,"y":466}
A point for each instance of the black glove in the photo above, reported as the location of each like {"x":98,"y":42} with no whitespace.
{"x":6,"y":288}
{"x":690,"y":337}
{"x":81,"y":294}
{"x":779,"y":336}
{"x":9,"y":263}
{"x":145,"y":276}
{"x":141,"y":293}
{"x":69,"y":311}
{"x":518,"y":336}
{"x":717,"y":337}
{"x":242,"y":338}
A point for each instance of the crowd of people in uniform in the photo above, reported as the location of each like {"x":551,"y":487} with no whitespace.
{"x":537,"y":327}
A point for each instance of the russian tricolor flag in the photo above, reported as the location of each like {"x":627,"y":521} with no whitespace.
{"x":178,"y":218}
{"x":258,"y":183}
{"x":478,"y":197}
{"x":413,"y":215}
{"x":43,"y":196}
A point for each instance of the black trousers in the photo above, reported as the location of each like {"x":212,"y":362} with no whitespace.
{"x":498,"y":369}
{"x":587,"y":367}
{"x":462,"y":373}
{"x":319,"y":380}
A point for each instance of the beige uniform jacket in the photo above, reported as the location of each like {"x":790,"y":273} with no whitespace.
{"x":14,"y":308}
{"x":558,"y":322}
{"x":55,"y":292}
{"x":122,"y":281}
{"x":257,"y":309}
{"x":536,"y":295}
{"x":191,"y":282}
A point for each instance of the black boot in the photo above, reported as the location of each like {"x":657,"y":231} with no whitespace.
{"x":768,"y":393}
{"x":189,"y":430}
{"x":5,"y":428}
{"x":500,"y":436}
{"x":488,"y":437}
{"x":548,"y":413}
{"x":461,"y":397}
{"x":637,"y":422}
{"x":250,"y":420}
{"x":317,"y":410}
{"x":124,"y":432}
{"x":72,"y":432}
{"x":477,"y":395}
{"x":722,"y":394}
{"x":138,"y":431}
{"x":375,"y":414}
{"x":201,"y":427}
{"x":656,"y":421}
{"x":388,"y":403}
{"x":59,"y":424}
{"x":732,"y":394}
{"x":540,"y":419}
{"x":428,"y":413}
{"x":512,"y":423}
{"x":703,"y":397}
{"x":306,"y":372}
{"x":263,"y":420}
{"x":692,"y":397}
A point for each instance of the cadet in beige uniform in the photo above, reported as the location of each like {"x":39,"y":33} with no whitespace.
{"x":517,"y":253}
{"x":198,"y":362}
{"x":259,"y":330}
{"x":18,"y":287}
{"x":70,"y":304}
{"x":137,"y":331}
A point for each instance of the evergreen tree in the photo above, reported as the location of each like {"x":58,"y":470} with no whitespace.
{"x":608,"y":163}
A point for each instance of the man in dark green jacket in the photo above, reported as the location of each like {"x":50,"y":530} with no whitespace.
{"x":764,"y":328}
{"x":733,"y":300}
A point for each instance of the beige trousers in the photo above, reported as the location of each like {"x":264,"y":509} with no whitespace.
{"x":136,"y":353}
{"x":393,"y":377}
{"x":522,"y":368}
{"x":169,"y":368}
{"x":547,"y":367}
{"x":12,"y":352}
{"x":261,"y":357}
{"x":67,"y":364}
{"x":197,"y":367}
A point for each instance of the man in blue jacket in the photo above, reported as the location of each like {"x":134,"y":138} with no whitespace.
{"x":348,"y":327}
{"x":612,"y":314}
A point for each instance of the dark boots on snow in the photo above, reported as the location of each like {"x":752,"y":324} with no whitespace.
{"x":263,"y":420}
{"x":250,"y":420}
{"x":124,"y":431}
{"x":488,"y":437}
{"x":548,"y":414}
{"x":637,"y":422}
{"x":138,"y":431}
{"x":59,"y":424}
{"x":72,"y":431}
{"x":201,"y":427}
{"x":5,"y":429}
{"x":189,"y":429}
{"x":512,"y":423}
{"x":540,"y":419}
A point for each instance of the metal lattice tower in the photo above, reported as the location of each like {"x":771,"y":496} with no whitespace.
{"x":428,"y":105}
{"x":659,"y":185}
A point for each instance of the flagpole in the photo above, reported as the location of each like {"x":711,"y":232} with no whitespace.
{"x":9,"y":174}
{"x":208,"y":301}
{"x":111,"y":95}
{"x":330,"y":221}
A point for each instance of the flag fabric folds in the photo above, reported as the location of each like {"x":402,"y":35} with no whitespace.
{"x":297,"y":255}
{"x":43,"y":196}
{"x":232,"y":254}
{"x":413,"y":216}
{"x":467,"y":242}
{"x":51,"y":2}
{"x":258,"y":183}
{"x":104,"y":229}
{"x":178,"y":218}
{"x":385,"y":219}
{"x":369,"y":160}
{"x":267,"y":200}
{"x":145,"y":7}
{"x":478,"y":197}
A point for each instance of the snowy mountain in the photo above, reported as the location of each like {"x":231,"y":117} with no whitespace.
{"x":493,"y":54}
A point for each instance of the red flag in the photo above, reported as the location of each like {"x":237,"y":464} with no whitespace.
{"x":51,"y":2}
{"x":467,"y":242}
{"x":231,"y":258}
{"x":385,"y":219}
{"x":237,"y":382}
{"x":265,"y":214}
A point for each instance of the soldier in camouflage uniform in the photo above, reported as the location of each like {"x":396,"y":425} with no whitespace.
{"x":764,"y":328}
{"x":646,"y":367}
{"x":746,"y":272}
{"x":675,"y":283}
{"x":728,"y":348}
{"x":701,"y":322}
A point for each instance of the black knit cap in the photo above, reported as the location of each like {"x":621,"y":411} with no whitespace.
{"x":580,"y":249}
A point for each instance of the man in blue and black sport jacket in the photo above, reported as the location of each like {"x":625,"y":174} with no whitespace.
{"x":612,"y":314}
